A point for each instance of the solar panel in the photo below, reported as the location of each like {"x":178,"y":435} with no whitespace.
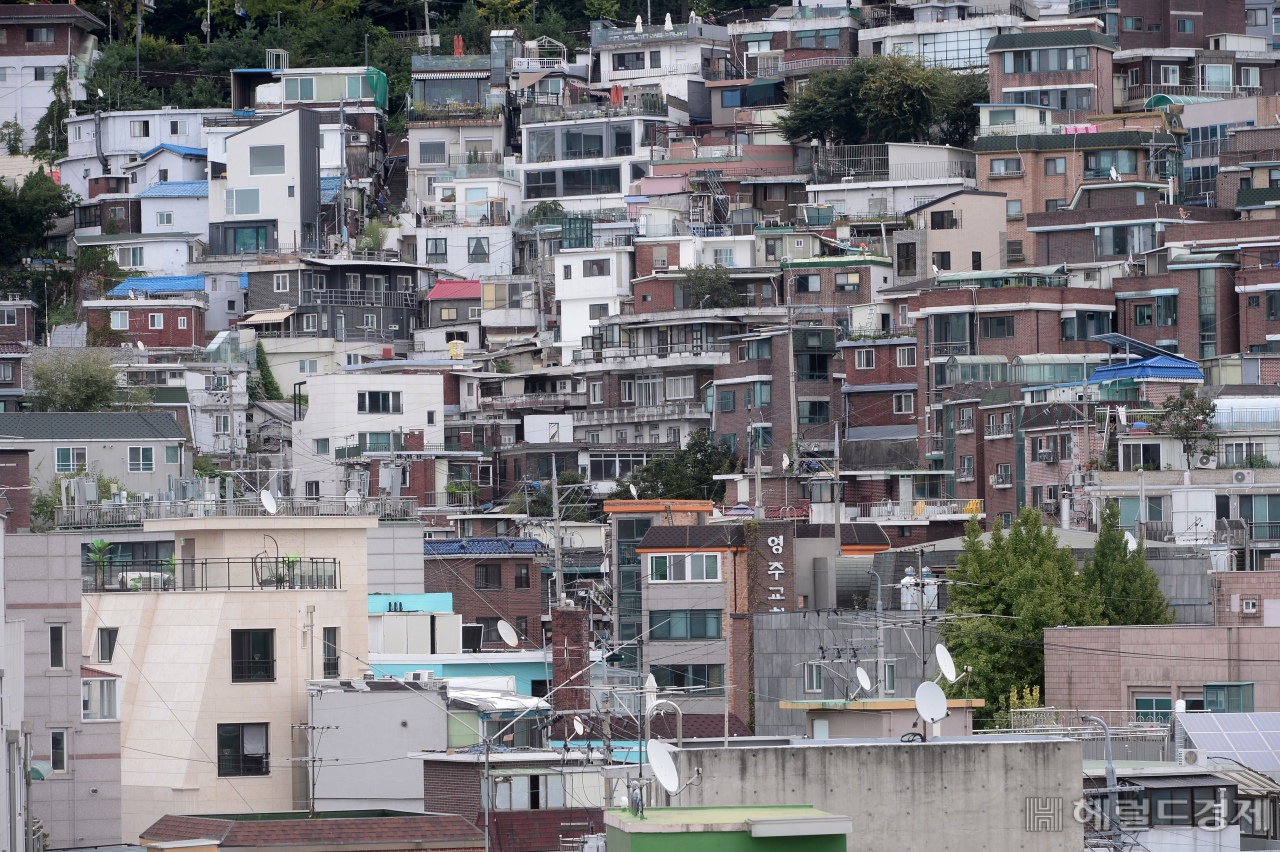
{"x":1251,"y":738}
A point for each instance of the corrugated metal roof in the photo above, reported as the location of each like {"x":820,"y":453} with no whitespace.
{"x":177,"y":189}
{"x":497,"y":545}
{"x":455,"y":290}
{"x":1159,"y":367}
{"x":1067,"y":38}
{"x":160,"y":284}
{"x":182,"y":150}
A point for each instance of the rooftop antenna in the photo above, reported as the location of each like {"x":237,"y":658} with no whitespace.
{"x":509,"y":636}
{"x":946,"y":666}
{"x":931,"y":704}
{"x":268,"y":501}
{"x":634,"y":494}
{"x":863,"y":680}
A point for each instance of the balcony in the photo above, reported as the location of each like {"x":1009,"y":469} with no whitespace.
{"x":361,"y":298}
{"x":815,"y":62}
{"x":1079,"y":7}
{"x":1004,"y":480}
{"x":641,"y":357}
{"x":813,"y":377}
{"x":964,"y":474}
{"x":964,"y":426}
{"x":133,"y":514}
{"x":1144,"y":91}
{"x":534,"y":400}
{"x":253,"y":671}
{"x":999,"y":430}
{"x":233,"y":765}
{"x":641,"y":414}
{"x":1047,"y":457}
{"x":935,"y":445}
{"x":202,"y":575}
{"x":891,"y":511}
{"x":650,"y":105}
{"x":946,"y":350}
{"x":354,"y":451}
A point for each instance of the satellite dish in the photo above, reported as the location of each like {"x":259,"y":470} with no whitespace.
{"x":1131,"y":543}
{"x":945,"y":664}
{"x":508,"y":634}
{"x":786,"y":461}
{"x":352,"y":498}
{"x":634,"y":494}
{"x":863,"y":680}
{"x":577,"y":725}
{"x":931,"y":703}
{"x":268,"y":502}
{"x":141,"y":345}
{"x":664,"y":768}
{"x":100,"y":94}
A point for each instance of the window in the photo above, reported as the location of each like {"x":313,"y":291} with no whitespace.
{"x":164,"y":218}
{"x":281,"y":282}
{"x":378,"y":402}
{"x":107,"y":643}
{"x":253,"y":654}
{"x":903,"y":403}
{"x":432,"y":152}
{"x":522,"y":576}
{"x":308,"y":322}
{"x":703,"y":567}
{"x":130,"y":256}
{"x":723,"y":257}
{"x":628,"y":62}
{"x":814,"y":412}
{"x":1008,"y":167}
{"x":448,"y":314}
{"x":595,"y":393}
{"x":1133,"y":24}
{"x":1013,"y":209}
{"x":478,"y":249}
{"x":995,"y":327}
{"x":1170,"y":75}
{"x":299,"y":88}
{"x":331,"y":667}
{"x":58,"y":751}
{"x":846,"y":282}
{"x":488,"y":576}
{"x":906,"y":356}
{"x":1167,"y":310}
{"x":865,"y":359}
{"x":813,"y":677}
{"x":906,"y":258}
{"x":758,"y":350}
{"x":595,"y":268}
{"x":943,"y":220}
{"x":242,"y":202}
{"x":727,"y":400}
{"x":706,"y":680}
{"x":1134,"y":456}
{"x":1015,"y":249}
{"x":71,"y":459}
{"x":139,"y":129}
{"x":98,"y":700}
{"x":808,"y":283}
{"x":627,"y":391}
{"x":1255,"y":17}
{"x":1142,"y":314}
{"x":941,"y":260}
{"x":684,"y":624}
{"x":596,"y":312}
{"x":57,"y":646}
{"x":308,"y":365}
{"x":1186,"y":25}
{"x":1053,"y":205}
{"x":1249,"y":77}
{"x":141,"y":460}
{"x":155,"y":322}
{"x":119,"y":320}
{"x":1215,"y":78}
{"x":680,"y":387}
{"x":473,"y":313}
{"x":242,"y":750}
{"x":761,"y":438}
{"x":731,"y":98}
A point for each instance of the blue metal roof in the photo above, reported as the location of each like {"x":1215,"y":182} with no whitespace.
{"x":329,"y":188}
{"x":160,"y":284}
{"x":177,"y":189}
{"x":181,"y":150}
{"x":244,"y":281}
{"x":481,"y":546}
{"x":1159,"y":367}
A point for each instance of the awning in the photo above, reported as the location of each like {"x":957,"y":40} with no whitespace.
{"x":1165,"y":782}
{"x":528,"y":78}
{"x":828,"y":32}
{"x":750,"y":37}
{"x":805,"y":33}
{"x":267,"y":317}
{"x":1164,"y":100}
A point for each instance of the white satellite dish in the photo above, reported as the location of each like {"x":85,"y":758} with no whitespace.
{"x":863,"y":680}
{"x":786,"y":461}
{"x":1130,"y":542}
{"x":268,"y":502}
{"x":100,"y":94}
{"x":634,"y":494}
{"x":508,"y":634}
{"x":577,"y":726}
{"x":945,"y":664}
{"x":664,"y":768}
{"x":352,"y":498}
{"x":141,"y":345}
{"x":931,"y":703}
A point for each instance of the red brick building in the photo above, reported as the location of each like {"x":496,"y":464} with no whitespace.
{"x":491,"y":579}
{"x":156,"y":323}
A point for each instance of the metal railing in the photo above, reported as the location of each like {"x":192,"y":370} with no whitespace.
{"x":232,"y":765}
{"x":1144,"y":91}
{"x":815,"y":62}
{"x":1004,"y":479}
{"x":996,"y":430}
{"x":641,"y":413}
{"x":360,"y":298}
{"x":964,"y":474}
{"x":133,"y":514}
{"x":252,"y":671}
{"x":520,"y":400}
{"x":813,"y":377}
{"x":446,"y":500}
{"x":184,"y":575}
{"x":1047,"y":456}
{"x":665,"y":351}
{"x":935,"y":445}
{"x":539,"y":113}
{"x":895,"y":510}
{"x":946,"y":350}
{"x":1025,"y":128}
{"x":1040,"y":717}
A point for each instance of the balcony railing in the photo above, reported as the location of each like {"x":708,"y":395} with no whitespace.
{"x":935,"y":445}
{"x":1004,"y":479}
{"x":674,"y":349}
{"x":815,"y":62}
{"x":522,"y":400}
{"x":185,"y":575}
{"x":641,"y":413}
{"x":907,"y":510}
{"x":964,"y":425}
{"x":133,"y":514}
{"x":813,"y":377}
{"x":1144,"y":91}
{"x":362,"y":298}
{"x":964,"y":474}
{"x":997,"y":430}
{"x":232,"y":765}
{"x":946,"y":350}
{"x":253,"y":671}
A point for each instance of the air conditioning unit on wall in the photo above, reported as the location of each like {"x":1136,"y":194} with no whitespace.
{"x":1242,"y":477}
{"x":1206,"y":462}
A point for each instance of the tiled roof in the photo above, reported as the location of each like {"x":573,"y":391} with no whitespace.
{"x":160,"y":284}
{"x":692,"y":537}
{"x":382,"y":831}
{"x":7,"y":348}
{"x":182,"y":150}
{"x":86,"y":671}
{"x":177,"y":189}
{"x":97,"y":426}
{"x":455,"y":290}
{"x":1066,"y":38}
{"x":50,"y":10}
{"x":1077,"y":142}
{"x":469,"y":546}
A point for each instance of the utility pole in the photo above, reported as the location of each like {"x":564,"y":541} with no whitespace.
{"x":879,"y":635}
{"x":137,"y":43}
{"x":342,"y":172}
{"x":426,"y":17}
{"x":555,"y":511}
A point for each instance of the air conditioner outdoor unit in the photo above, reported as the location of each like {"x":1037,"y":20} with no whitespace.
{"x":1049,"y":507}
{"x":1206,"y":462}
{"x":1249,"y":607}
{"x":1192,"y":756}
{"x":1242,"y":477}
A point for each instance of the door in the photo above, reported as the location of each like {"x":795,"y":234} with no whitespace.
{"x":1250,"y":371}
{"x":340,"y":327}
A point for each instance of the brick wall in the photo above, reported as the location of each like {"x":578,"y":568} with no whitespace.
{"x":15,"y":480}
{"x":644,"y":261}
{"x":1098,"y":77}
{"x":570,"y":645}
{"x":130,"y":220}
{"x":99,"y":319}
{"x":540,"y":830}
{"x":66,"y":39}
{"x":1233,"y":310}
{"x":23,"y":331}
{"x":457,"y":575}
{"x":1234,"y":587}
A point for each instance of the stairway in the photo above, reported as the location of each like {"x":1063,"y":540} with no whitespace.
{"x":396,"y":186}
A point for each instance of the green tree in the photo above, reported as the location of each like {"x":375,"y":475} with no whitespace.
{"x":958,"y":115}
{"x":372,"y":236}
{"x":542,"y":210}
{"x":712,"y":284}
{"x":11,"y":137}
{"x":74,"y":380}
{"x":501,"y":11}
{"x":828,"y":109}
{"x":686,"y":474}
{"x":50,"y":143}
{"x":45,"y":501}
{"x":1188,"y":418}
{"x":901,"y":97}
{"x":540,"y":503}
{"x":602,"y":10}
{"x":270,"y":388}
{"x":29,"y":212}
{"x":1011,"y":589}
{"x":1129,"y":589}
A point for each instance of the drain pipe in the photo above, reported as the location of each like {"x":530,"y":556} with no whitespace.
{"x":97,"y":141}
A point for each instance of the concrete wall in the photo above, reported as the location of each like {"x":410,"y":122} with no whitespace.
{"x":395,"y":558}
{"x":908,"y":797}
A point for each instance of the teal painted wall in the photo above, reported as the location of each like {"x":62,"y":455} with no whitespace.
{"x":524,"y":673}
{"x":433,"y":602}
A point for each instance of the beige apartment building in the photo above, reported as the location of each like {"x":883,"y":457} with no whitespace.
{"x":214,"y":624}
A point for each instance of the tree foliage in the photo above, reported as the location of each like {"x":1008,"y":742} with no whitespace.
{"x":11,"y":137}
{"x":540,"y":503}
{"x":1188,"y":418}
{"x":1129,"y":589}
{"x":28,"y":213}
{"x":712,"y":284}
{"x":886,"y":99}
{"x":74,"y":380}
{"x":1013,"y":587}
{"x":270,"y":388}
{"x":686,"y":474}
{"x":50,"y":143}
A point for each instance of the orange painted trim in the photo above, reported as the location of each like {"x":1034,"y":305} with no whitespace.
{"x":862,"y":549}
{"x":629,"y":506}
{"x":694,"y":550}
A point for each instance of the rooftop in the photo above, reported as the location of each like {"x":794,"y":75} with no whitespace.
{"x":372,"y":829}
{"x":110,"y":426}
{"x":455,"y":290}
{"x":183,"y":150}
{"x":37,"y":11}
{"x":468,"y":546}
{"x":159,"y":284}
{"x":177,"y":189}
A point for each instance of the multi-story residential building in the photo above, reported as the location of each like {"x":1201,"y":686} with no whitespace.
{"x":451,"y":313}
{"x":950,"y":34}
{"x":1210,"y":126}
{"x":492,"y":579}
{"x":1223,"y":65}
{"x":37,"y":44}
{"x":1155,"y":27}
{"x":793,"y":41}
{"x":223,"y":294}
{"x":1062,"y":68}
{"x":590,"y":284}
{"x":961,"y":231}
{"x":161,"y":321}
{"x":175,"y":206}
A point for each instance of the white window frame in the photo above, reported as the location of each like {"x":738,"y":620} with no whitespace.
{"x":164,"y":218}
{"x":309,"y":322}
{"x":906,"y":356}
{"x":1253,"y":79}
{"x":222,"y":424}
{"x":680,"y":387}
{"x":9,"y":316}
{"x":71,"y":465}
{"x":182,"y":323}
{"x":155,"y":322}
{"x":595,"y":393}
{"x":864,"y":359}
{"x":119,"y":320}
{"x":1170,"y":75}
{"x":280,"y":282}
{"x":87,"y":686}
{"x":813,"y":677}
{"x":904,"y":403}
{"x":146,"y":460}
{"x":628,"y":391}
